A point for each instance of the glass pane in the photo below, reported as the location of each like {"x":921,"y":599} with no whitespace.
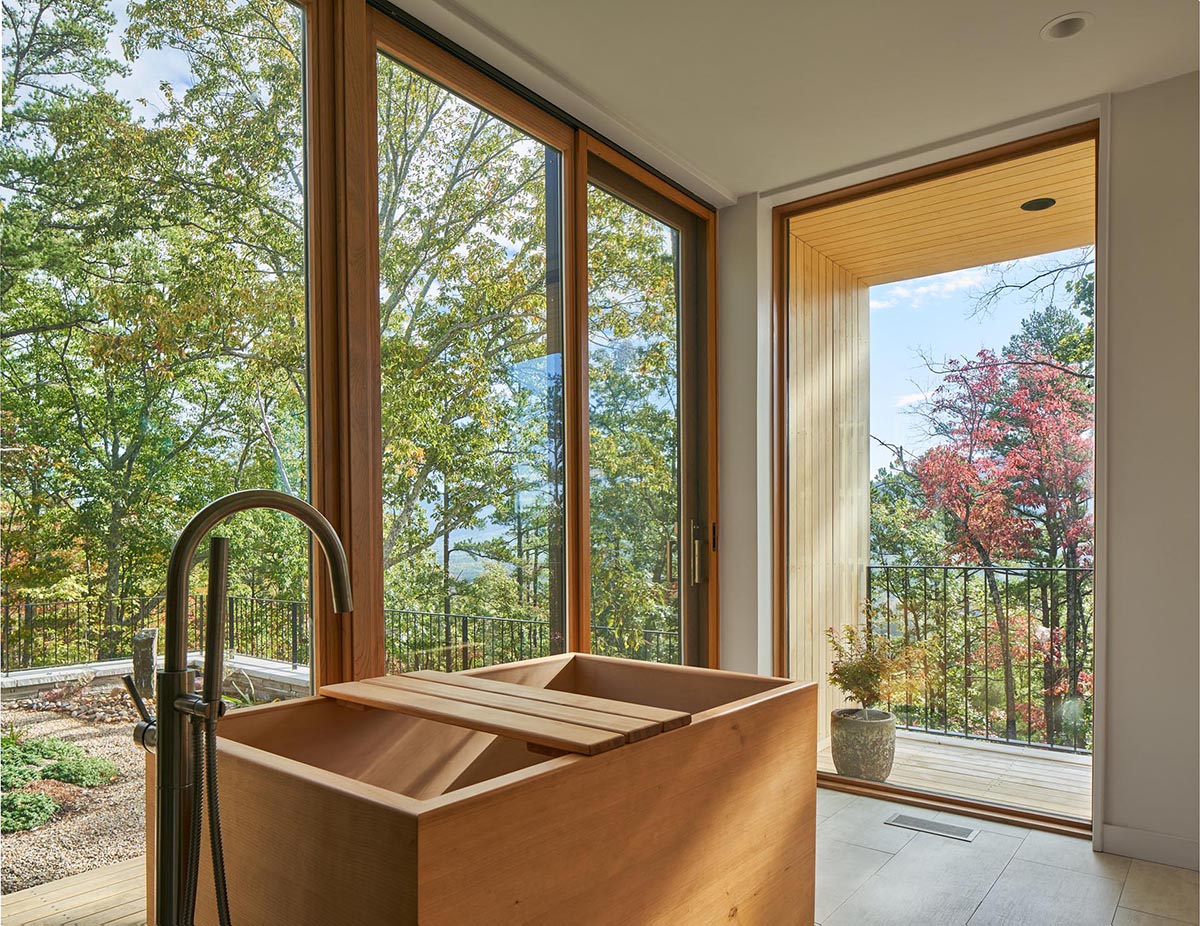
{"x":154,"y":351}
{"x":471,"y":332}
{"x":633,"y":404}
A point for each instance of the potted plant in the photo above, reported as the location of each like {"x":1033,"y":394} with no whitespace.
{"x":869,"y":668}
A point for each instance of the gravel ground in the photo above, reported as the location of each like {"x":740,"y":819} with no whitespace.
{"x":97,"y":826}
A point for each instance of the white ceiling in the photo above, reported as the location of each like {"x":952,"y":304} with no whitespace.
{"x":754,"y":95}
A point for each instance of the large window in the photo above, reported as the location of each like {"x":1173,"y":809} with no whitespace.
{"x":543,"y":378}
{"x":471,"y":334}
{"x":154,"y":319}
{"x":191,"y":306}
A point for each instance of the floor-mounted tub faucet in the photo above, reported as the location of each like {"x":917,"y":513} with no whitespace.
{"x":180,"y":758}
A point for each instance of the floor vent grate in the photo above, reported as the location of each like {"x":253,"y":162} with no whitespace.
{"x":921,"y":825}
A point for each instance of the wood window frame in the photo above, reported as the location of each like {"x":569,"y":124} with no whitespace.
{"x":342,"y":40}
{"x":1088,"y":130}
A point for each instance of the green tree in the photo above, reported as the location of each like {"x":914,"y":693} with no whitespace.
{"x":902,"y":533}
{"x":153,"y":317}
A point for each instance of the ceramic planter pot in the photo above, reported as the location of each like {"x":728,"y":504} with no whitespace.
{"x":863,"y":747}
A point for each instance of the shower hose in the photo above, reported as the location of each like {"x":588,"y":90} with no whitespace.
{"x":204,"y":779}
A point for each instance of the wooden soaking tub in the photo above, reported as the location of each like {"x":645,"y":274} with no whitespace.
{"x":692,"y":803}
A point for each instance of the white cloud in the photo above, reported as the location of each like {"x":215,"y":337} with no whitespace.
{"x":915,"y":292}
{"x":910,"y":398}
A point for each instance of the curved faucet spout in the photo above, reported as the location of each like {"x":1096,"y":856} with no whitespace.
{"x":184,"y":551}
{"x":178,"y":705}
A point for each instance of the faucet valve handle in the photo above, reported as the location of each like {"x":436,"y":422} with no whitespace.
{"x":136,"y":695}
{"x":145,"y":734}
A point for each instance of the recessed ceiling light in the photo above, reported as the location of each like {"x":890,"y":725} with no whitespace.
{"x":1066,"y":26}
{"x":1037,"y":205}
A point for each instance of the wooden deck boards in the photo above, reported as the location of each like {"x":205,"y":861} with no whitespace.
{"x":1031,"y":779}
{"x":111,"y":896}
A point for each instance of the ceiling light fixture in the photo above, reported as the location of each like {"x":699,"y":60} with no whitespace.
{"x":1066,"y":26}
{"x":1037,"y":205}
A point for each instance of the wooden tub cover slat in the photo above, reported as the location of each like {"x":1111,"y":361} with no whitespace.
{"x":539,"y":731}
{"x":631,"y":728}
{"x":668,"y":719}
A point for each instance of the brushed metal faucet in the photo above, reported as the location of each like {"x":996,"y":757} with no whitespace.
{"x":179,"y":806}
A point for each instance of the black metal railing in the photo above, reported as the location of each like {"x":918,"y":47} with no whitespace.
{"x":42,"y":634}
{"x":437,"y":640}
{"x":645,"y":645}
{"x":1005,"y":653}
{"x":434,"y":639}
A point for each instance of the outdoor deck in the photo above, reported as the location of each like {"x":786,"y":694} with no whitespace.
{"x":1033,"y":779}
{"x":111,"y":896}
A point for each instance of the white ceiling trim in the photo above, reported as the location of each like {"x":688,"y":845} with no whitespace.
{"x":477,"y":37}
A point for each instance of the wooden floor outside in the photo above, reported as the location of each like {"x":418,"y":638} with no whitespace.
{"x":1031,"y":779}
{"x":111,"y":896}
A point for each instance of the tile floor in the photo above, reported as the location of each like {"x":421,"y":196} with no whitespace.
{"x":869,"y":873}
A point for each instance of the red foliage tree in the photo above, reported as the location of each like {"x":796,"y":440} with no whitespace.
{"x":968,"y":478}
{"x":1012,"y":472}
{"x":1049,"y":462}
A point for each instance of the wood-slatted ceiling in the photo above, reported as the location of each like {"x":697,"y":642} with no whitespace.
{"x":961,"y":220}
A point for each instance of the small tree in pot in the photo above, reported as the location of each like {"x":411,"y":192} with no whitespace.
{"x":869,"y":668}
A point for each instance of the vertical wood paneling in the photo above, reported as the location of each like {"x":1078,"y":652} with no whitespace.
{"x":828,"y":460}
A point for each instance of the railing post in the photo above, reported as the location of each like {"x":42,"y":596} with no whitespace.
{"x":29,"y":622}
{"x":295,"y":630}
{"x":200,"y":602}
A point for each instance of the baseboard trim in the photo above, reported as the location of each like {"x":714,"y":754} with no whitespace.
{"x":996,"y":813}
{"x":1152,"y":847}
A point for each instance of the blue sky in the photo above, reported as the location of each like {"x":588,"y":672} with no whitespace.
{"x":934,"y":316}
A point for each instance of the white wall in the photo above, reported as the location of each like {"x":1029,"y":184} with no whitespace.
{"x":743,"y":453}
{"x":1151,"y":747}
{"x":1151,"y":732}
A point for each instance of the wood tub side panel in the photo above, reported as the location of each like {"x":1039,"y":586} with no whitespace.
{"x":711,"y":823}
{"x":304,"y":846}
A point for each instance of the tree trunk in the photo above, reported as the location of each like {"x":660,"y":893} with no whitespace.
{"x":520,"y":547}
{"x":448,"y":639}
{"x":108,"y":640}
{"x":1049,"y":668}
{"x":1076,"y":647}
{"x":1010,"y":684}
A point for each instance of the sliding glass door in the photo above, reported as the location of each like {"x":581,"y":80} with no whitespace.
{"x":471,"y":328}
{"x":650,"y":481}
{"x":542,"y":381}
{"x":633,"y":443}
